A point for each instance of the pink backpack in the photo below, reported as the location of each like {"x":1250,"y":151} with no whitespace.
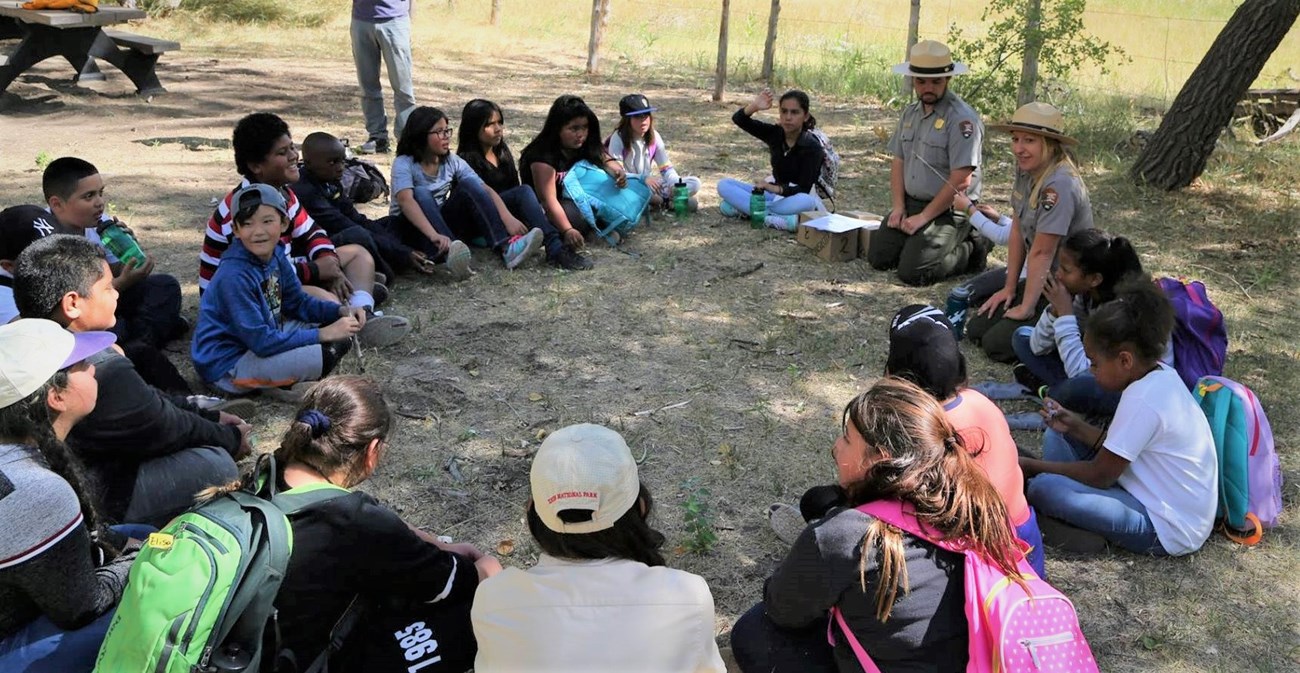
{"x":1012,"y":629}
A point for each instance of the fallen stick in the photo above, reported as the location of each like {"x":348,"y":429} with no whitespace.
{"x":648,"y":412}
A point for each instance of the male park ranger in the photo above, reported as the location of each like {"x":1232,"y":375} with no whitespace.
{"x":936,"y":152}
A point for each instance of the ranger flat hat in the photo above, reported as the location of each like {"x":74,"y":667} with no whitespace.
{"x":1040,"y":118}
{"x":930,"y":59}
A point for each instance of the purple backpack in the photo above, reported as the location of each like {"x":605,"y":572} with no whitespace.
{"x":1200,"y":337}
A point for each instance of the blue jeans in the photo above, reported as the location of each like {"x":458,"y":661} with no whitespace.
{"x":522,"y":202}
{"x":737,"y":194}
{"x":391,"y":41}
{"x":1029,"y":532}
{"x":467,"y":214}
{"x":1111,"y":512}
{"x":1076,"y":393}
{"x":42,"y":647}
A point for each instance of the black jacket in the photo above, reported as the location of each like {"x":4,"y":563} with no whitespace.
{"x":796,"y":170}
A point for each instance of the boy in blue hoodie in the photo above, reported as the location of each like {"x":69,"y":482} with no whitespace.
{"x":258,"y":329}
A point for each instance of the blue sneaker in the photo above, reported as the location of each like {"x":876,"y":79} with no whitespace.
{"x":729,"y":210}
{"x":522,"y":247}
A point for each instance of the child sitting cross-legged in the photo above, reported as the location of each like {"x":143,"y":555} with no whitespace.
{"x":258,"y":329}
{"x":1149,"y":482}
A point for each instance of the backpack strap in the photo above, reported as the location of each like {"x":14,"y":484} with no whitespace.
{"x":342,"y":628}
{"x":901,"y":515}
{"x":864,"y":660}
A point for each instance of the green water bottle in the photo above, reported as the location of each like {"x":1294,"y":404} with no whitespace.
{"x":117,"y":241}
{"x":758,"y":208}
{"x":681,"y":198}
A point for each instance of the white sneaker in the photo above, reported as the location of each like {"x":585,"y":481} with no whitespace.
{"x":383,"y":330}
{"x":783,"y":222}
{"x":458,"y":259}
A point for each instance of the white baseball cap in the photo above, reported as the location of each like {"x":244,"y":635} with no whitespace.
{"x":586,"y":467}
{"x":33,"y":349}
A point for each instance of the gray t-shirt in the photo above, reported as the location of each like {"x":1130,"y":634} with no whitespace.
{"x":407,"y":174}
{"x":1062,"y":206}
{"x":932,"y":145}
{"x":380,"y":10}
{"x":927,"y":630}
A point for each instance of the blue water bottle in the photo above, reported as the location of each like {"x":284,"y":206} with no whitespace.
{"x":958,"y":308}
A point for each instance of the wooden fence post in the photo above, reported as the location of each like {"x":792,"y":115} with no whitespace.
{"x":1028,"y":90}
{"x":769,"y":47}
{"x":720,"y":75}
{"x":599,"y":18}
{"x":913,"y":34}
{"x":496,"y":12}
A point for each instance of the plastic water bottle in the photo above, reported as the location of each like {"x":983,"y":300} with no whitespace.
{"x":681,"y":198}
{"x":121,"y":244}
{"x":957,"y":309}
{"x":758,"y":208}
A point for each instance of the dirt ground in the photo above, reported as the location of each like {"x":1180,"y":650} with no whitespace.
{"x":724,"y":355}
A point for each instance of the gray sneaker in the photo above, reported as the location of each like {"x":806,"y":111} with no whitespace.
{"x":384,"y":330}
{"x":458,"y":259}
{"x":786,"y":522}
{"x":237,"y":406}
{"x":374,"y":146}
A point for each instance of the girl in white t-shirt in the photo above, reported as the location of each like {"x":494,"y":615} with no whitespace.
{"x":637,"y":144}
{"x":1149,"y":483}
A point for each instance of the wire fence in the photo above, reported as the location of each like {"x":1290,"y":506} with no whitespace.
{"x":1162,"y":42}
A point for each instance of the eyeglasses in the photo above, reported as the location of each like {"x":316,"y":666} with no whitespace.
{"x":445,"y":133}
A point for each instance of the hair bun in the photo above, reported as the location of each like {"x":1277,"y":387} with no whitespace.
{"x":316,"y":420}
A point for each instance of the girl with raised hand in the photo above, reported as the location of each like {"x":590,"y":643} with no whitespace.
{"x":442,"y":202}
{"x":1048,"y":202}
{"x":796,"y":161}
{"x":900,"y":595}
{"x":639,"y":146}
{"x":482,"y":144}
{"x":62,"y":570}
{"x":403,"y":580}
{"x":1148,"y":483}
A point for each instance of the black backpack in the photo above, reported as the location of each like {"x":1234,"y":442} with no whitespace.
{"x":363,"y":181}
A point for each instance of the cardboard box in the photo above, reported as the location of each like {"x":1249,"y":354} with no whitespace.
{"x":836,"y":246}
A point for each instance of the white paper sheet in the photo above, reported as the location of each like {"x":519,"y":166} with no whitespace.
{"x":836,"y":224}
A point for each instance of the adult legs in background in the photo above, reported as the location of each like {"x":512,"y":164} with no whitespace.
{"x":366,"y":56}
{"x":760,"y":646}
{"x":394,"y":38}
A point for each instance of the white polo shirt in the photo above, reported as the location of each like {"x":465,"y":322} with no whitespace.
{"x":608,"y":615}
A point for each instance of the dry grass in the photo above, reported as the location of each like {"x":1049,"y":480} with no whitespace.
{"x":763,"y":342}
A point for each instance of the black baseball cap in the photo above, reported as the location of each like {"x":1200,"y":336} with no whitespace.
{"x":20,"y":226}
{"x":922,"y":349}
{"x":635,"y":104}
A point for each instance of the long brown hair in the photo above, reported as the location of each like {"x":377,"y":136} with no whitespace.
{"x":924,"y":463}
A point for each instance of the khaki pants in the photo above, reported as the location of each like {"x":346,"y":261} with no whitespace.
{"x":938,"y":250}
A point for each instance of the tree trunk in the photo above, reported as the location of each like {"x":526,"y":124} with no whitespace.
{"x":599,"y":19}
{"x":769,"y":47}
{"x":1180,"y":148}
{"x":1027,"y":92}
{"x":496,"y":12}
{"x":720,"y":75}
{"x":913,"y":34}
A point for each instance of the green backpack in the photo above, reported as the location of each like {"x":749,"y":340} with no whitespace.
{"x":201,"y":592}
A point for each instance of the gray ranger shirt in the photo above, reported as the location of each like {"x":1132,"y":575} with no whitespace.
{"x":951,"y":136}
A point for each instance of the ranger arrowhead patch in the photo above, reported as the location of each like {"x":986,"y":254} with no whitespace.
{"x":1050,"y":198}
{"x":967,"y":128}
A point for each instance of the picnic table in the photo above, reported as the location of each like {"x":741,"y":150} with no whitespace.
{"x":81,"y":39}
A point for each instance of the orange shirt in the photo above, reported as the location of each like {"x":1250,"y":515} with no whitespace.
{"x":984,"y":429}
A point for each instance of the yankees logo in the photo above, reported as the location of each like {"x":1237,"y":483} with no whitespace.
{"x":42,"y":227}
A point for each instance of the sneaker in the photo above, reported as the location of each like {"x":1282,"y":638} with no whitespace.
{"x":383,"y":330}
{"x":728,"y":210}
{"x":571,"y":261}
{"x":997,"y":390}
{"x":786,"y":522}
{"x":379,"y":292}
{"x":692,"y":204}
{"x":381,"y":278}
{"x":374,"y":146}
{"x":521,"y":248}
{"x":289,"y":394}
{"x":1028,"y":379}
{"x":1029,"y":420}
{"x":238,"y":406}
{"x":1061,"y":535}
{"x":783,"y":222}
{"x":979,"y":254}
{"x":458,"y":259}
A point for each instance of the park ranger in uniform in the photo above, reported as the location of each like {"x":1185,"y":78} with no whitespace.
{"x":936,"y":150}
